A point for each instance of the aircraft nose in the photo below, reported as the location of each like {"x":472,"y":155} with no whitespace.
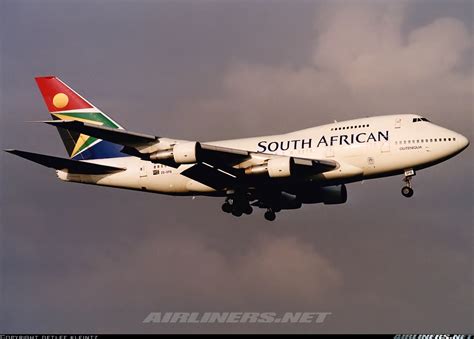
{"x":462,"y":142}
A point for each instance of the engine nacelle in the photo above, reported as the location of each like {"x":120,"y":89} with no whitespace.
{"x":280,"y":167}
{"x":186,"y":152}
{"x":158,"y":156}
{"x":330,"y":195}
{"x":182,"y":153}
{"x":280,"y":201}
{"x":289,"y":201}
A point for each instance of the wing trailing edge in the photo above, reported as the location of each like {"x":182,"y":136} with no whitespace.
{"x":117,"y":136}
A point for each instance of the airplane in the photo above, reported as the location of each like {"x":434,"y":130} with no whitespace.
{"x":273,"y":172}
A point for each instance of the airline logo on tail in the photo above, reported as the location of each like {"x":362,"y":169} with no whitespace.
{"x":65,"y":104}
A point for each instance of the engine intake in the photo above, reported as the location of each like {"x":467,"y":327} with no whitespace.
{"x":186,"y":152}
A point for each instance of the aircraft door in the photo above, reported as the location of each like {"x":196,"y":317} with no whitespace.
{"x":426,"y":146}
{"x":329,"y":152}
{"x":398,"y":122}
{"x":371,"y":153}
{"x":143,"y":175}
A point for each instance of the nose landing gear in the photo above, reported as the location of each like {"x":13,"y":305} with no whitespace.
{"x":407,"y":190}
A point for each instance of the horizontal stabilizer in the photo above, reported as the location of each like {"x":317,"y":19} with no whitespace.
{"x":72,"y":166}
{"x":117,"y":136}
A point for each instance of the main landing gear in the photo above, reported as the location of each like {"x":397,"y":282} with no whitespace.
{"x":270,"y":215}
{"x":237,"y":207}
{"x":407,"y":190}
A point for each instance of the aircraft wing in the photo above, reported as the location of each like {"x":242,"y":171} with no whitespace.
{"x":138,"y":144}
{"x":223,"y":155}
{"x":117,"y":136}
{"x":72,"y":166}
{"x":215,"y":166}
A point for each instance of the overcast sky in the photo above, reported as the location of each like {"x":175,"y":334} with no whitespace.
{"x":80,"y":258}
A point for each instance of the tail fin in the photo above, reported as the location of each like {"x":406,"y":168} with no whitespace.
{"x":65,"y":104}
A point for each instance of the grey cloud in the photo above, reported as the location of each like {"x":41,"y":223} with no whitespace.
{"x":362,"y":62}
{"x":176,"y":269}
{"x":278,"y":270}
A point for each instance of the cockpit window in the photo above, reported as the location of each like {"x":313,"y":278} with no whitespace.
{"x":420,"y":119}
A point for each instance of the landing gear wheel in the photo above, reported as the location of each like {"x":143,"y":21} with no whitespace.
{"x":237,"y":212}
{"x":248,"y":210}
{"x":226,"y":207}
{"x":270,"y":215}
{"x":407,"y":192}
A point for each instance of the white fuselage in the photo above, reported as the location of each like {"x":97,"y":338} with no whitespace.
{"x":365,"y":148}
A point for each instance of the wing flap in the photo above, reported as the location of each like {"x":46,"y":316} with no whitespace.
{"x":211,"y":176}
{"x":222,"y":156}
{"x":72,"y":166}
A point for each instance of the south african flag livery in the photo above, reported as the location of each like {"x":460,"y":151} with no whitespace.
{"x":65,"y":104}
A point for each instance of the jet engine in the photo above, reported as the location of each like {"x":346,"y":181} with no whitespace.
{"x":330,"y":195}
{"x":280,"y":167}
{"x":182,"y":153}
